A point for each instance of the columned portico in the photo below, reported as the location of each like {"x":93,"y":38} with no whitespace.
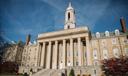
{"x":61,"y":50}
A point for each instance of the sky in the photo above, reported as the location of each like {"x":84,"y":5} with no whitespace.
{"x":18,"y":18}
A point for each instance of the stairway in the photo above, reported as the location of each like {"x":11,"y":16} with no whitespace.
{"x":48,"y":72}
{"x":40,"y":72}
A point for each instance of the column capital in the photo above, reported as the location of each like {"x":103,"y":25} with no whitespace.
{"x":44,"y":42}
{"x":86,"y":38}
{"x":71,"y":39}
{"x":50,"y":42}
{"x":79,"y":38}
{"x":64,"y":41}
{"x":56,"y":41}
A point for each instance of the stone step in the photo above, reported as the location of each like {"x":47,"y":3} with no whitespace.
{"x":40,"y":72}
{"x":47,"y":72}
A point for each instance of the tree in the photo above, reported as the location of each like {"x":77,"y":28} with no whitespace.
{"x":9,"y":67}
{"x":71,"y":73}
{"x":115,"y":66}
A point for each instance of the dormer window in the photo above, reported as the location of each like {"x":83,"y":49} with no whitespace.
{"x":97,"y":34}
{"x":107,"y":33}
{"x":117,"y":32}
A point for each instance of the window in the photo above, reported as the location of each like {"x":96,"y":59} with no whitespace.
{"x":114,"y":41}
{"x":107,"y":33}
{"x":68,"y":15}
{"x":95,"y":63}
{"x":95,"y":54}
{"x":116,"y":52}
{"x":69,"y":63}
{"x":76,"y":53}
{"x":95,"y":72}
{"x":76,"y":63}
{"x":105,"y":54}
{"x":117,"y":32}
{"x":97,"y":34}
{"x":68,"y":27}
{"x":103,"y":43}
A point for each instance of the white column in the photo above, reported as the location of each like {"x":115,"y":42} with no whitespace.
{"x":79,"y":51}
{"x":48,"y":56}
{"x":89,"y":62}
{"x":42,"y":55}
{"x":55,"y":55}
{"x":71,"y":52}
{"x":39,"y":50}
{"x":64,"y":53}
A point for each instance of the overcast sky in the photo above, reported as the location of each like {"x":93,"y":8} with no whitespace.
{"x":21,"y":17}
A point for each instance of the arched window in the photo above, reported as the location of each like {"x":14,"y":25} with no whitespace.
{"x":97,"y":34}
{"x":105,"y":54}
{"x":107,"y":33}
{"x":117,"y":32}
{"x":68,"y":15}
{"x":116,"y":52}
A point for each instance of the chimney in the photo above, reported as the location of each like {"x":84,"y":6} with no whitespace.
{"x":123,"y":24}
{"x":28,"y":39}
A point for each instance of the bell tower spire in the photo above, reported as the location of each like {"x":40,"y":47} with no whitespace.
{"x":69,"y":17}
